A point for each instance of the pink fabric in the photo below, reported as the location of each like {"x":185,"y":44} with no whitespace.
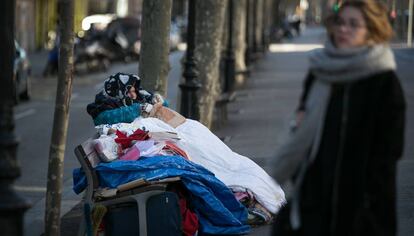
{"x":147,"y":148}
{"x":133,"y":154}
{"x":241,"y":195}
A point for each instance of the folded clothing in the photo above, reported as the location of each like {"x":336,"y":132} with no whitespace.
{"x":147,"y":148}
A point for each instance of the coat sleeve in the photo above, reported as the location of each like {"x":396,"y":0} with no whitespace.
{"x":119,"y":115}
{"x":392,"y":117}
{"x":307,"y":84}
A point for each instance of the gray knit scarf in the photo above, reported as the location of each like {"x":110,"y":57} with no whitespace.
{"x":328,"y":65}
{"x":331,"y":64}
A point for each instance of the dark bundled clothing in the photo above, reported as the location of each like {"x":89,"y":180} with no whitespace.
{"x":115,"y":95}
{"x":349,"y":189}
{"x":102,"y":103}
{"x":105,"y":103}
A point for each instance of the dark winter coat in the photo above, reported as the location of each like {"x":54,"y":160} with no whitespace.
{"x":350,"y":187}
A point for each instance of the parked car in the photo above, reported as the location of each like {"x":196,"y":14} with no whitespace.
{"x":21,"y":74}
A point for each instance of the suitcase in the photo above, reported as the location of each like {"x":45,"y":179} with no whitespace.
{"x":152,"y":213}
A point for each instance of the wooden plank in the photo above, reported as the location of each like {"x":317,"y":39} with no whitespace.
{"x":90,"y":152}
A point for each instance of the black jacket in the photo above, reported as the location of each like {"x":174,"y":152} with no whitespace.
{"x":350,"y":187}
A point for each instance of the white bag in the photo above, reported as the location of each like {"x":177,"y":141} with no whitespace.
{"x":106,"y":147}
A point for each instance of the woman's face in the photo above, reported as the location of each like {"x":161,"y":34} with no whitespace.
{"x":350,"y":29}
{"x":132,"y":93}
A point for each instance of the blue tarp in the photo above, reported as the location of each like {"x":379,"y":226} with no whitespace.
{"x":218,"y":210}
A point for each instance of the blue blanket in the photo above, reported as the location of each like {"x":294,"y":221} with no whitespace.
{"x":218,"y":210}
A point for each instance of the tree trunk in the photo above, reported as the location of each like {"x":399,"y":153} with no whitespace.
{"x":239,"y":23}
{"x":12,"y":206}
{"x":259,"y":26}
{"x":154,"y":64}
{"x":224,"y":48}
{"x":61,"y":117}
{"x":209,"y":25}
{"x":275,"y":16}
{"x":267,"y":6}
{"x":250,"y":45}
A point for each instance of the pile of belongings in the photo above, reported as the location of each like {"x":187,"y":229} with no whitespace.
{"x":227,"y":191}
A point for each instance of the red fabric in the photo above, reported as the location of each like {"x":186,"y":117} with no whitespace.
{"x":173,"y":147}
{"x":189,"y":223}
{"x":125,"y":141}
{"x":189,"y":218}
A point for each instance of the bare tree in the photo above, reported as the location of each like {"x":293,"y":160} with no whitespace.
{"x":275,"y":15}
{"x":258,"y":28}
{"x":239,"y":23}
{"x":154,"y":64}
{"x":61,"y":117}
{"x":267,"y":27}
{"x":209,"y":25}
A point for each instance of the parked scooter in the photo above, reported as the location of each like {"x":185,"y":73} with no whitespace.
{"x":123,"y":36}
{"x":90,"y":54}
{"x":118,"y":42}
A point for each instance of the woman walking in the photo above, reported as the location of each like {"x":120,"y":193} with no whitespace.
{"x":342,"y":156}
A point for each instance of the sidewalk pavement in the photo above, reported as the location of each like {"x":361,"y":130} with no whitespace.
{"x":262,"y":109}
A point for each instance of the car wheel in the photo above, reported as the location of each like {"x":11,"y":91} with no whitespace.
{"x":25,"y":95}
